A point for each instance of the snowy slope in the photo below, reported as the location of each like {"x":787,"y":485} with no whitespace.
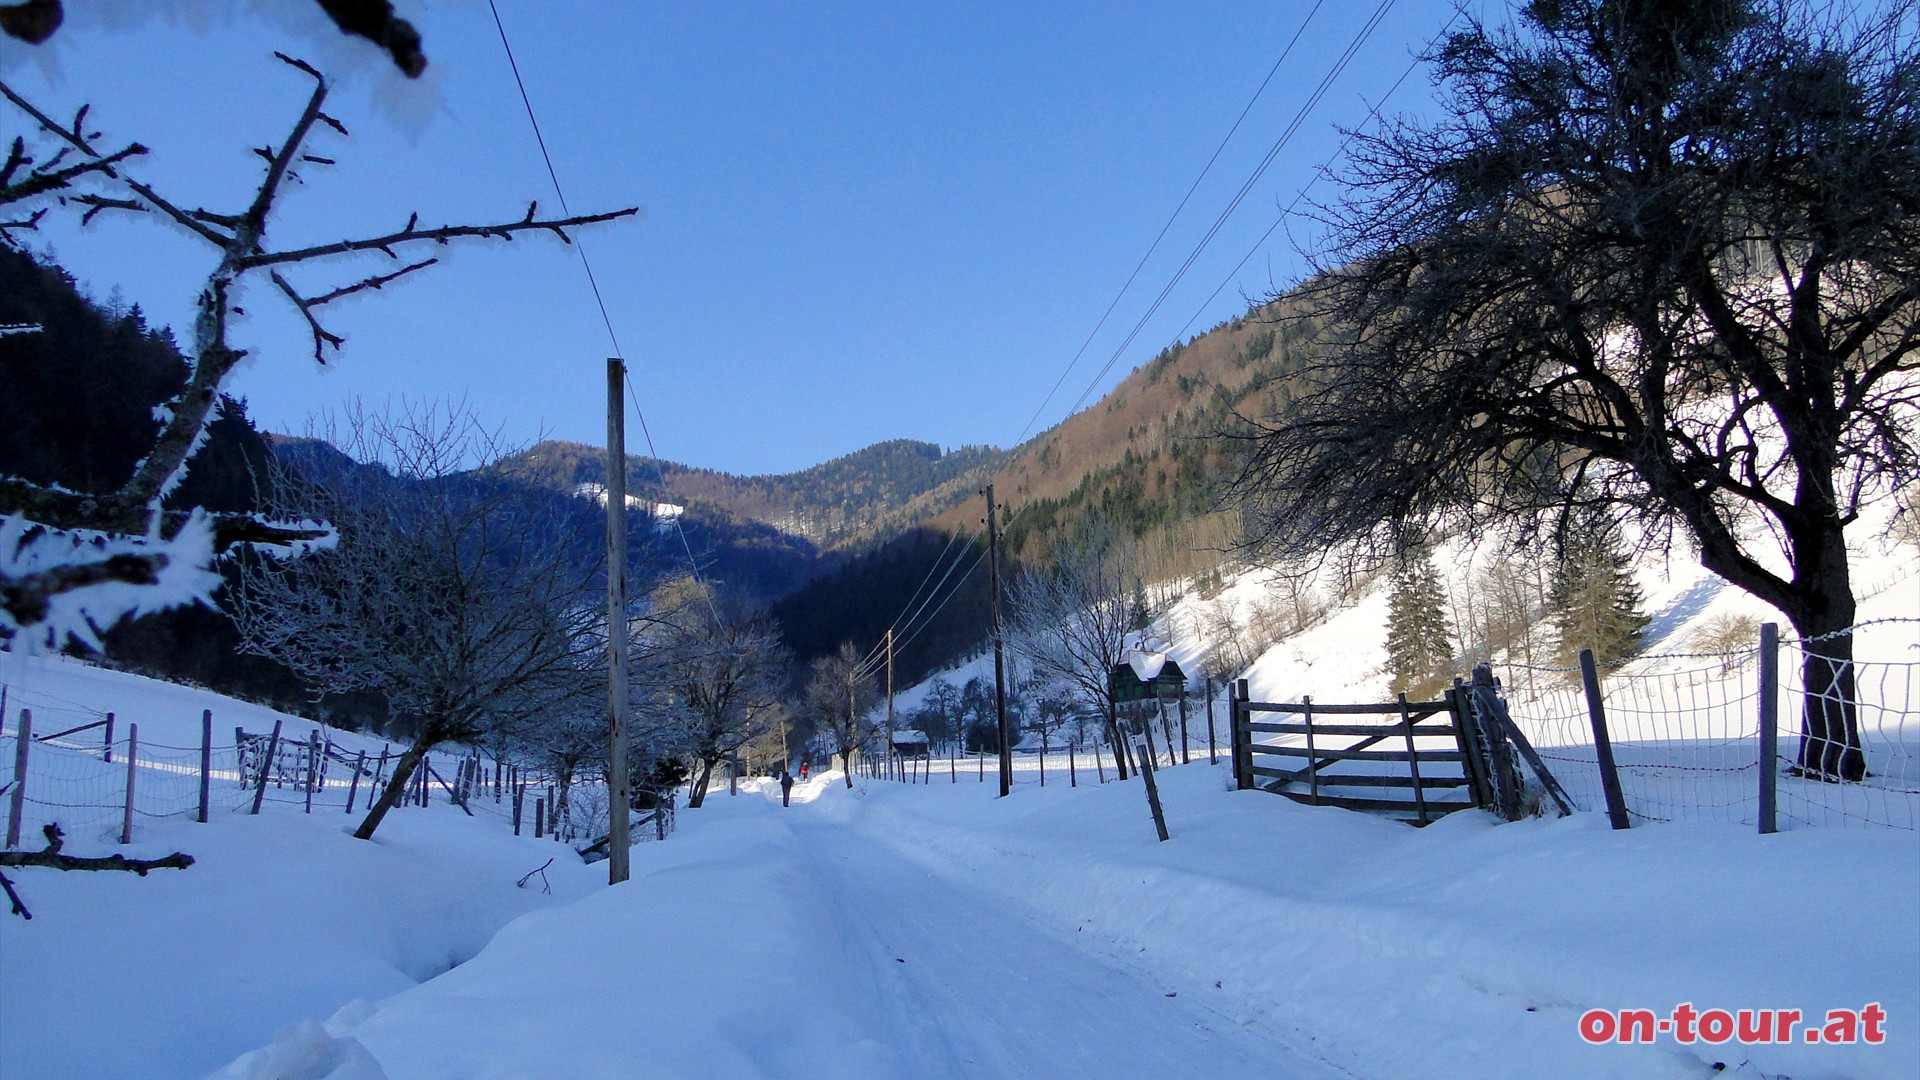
{"x":282,"y":917}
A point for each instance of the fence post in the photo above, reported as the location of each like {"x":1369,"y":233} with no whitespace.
{"x":1769,"y":726}
{"x":1466,"y":736}
{"x":1186,"y":751}
{"x":1153,"y":790}
{"x":266,"y":766}
{"x":1233,"y":735}
{"x":1413,"y":763}
{"x":519,"y":798}
{"x":1242,"y":734}
{"x":133,"y":757}
{"x":1313,"y":756}
{"x":16,"y":804}
{"x":313,"y":747}
{"x":379,"y":773}
{"x":206,"y":762}
{"x":359,"y":766}
{"x":539,"y":816}
{"x":1501,"y":771}
{"x":108,"y":757}
{"x":1602,"y":743}
{"x":1213,"y":755}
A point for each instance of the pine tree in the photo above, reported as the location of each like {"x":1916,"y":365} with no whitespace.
{"x":1419,"y":641}
{"x":1595,"y":603}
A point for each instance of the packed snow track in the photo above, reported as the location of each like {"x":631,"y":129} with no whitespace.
{"x":968,"y":987}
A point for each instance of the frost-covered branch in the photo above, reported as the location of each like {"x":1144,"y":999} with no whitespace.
{"x":51,"y":858}
{"x":89,"y":591}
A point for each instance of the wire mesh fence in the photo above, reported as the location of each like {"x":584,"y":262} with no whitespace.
{"x":1686,"y":733}
{"x":98,"y":780}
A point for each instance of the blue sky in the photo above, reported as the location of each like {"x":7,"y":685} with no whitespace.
{"x":861,"y":221}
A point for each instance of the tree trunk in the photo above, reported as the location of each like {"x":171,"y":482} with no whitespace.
{"x":846,"y":766}
{"x":396,"y":786}
{"x":697,"y":794}
{"x":562,"y":808}
{"x":1830,"y":747}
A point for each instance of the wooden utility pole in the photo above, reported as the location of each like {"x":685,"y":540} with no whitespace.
{"x":618,"y":798}
{"x":999,"y":665}
{"x":890,"y":749}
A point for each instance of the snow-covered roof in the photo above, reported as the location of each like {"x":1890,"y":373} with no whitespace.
{"x":1146,"y":665}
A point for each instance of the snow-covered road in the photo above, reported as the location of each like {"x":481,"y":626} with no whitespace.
{"x":966,"y":986}
{"x":770,"y":942}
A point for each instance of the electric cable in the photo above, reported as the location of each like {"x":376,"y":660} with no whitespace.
{"x":1285,"y":51}
{"x":693,"y":564}
{"x":1286,"y":136}
{"x":1184,"y":199}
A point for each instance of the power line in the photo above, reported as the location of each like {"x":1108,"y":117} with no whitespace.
{"x":693,"y":564}
{"x":1155,"y":246}
{"x":1286,"y":136}
{"x":555,"y":177}
{"x":1320,"y":91}
{"x":1373,"y":113}
{"x":906,"y":619}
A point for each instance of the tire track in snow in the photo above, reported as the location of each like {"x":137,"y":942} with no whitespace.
{"x":966,"y":986}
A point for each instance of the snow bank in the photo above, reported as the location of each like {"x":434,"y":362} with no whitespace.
{"x":283,"y":918}
{"x":716,"y":959}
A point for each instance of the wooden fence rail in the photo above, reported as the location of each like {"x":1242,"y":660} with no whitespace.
{"x":1326,"y":765}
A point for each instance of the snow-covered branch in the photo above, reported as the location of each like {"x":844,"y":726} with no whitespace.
{"x":74,"y":590}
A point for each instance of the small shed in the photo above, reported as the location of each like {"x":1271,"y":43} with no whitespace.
{"x":1145,"y":675}
{"x":908,"y":743}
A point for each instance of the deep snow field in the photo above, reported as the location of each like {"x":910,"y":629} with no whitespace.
{"x":934,"y":930}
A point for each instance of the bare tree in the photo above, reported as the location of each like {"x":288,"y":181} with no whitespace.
{"x":67,"y":558}
{"x":1655,"y":261}
{"x":1072,"y":621}
{"x":717,"y":666}
{"x":455,"y":595}
{"x":840,"y":700}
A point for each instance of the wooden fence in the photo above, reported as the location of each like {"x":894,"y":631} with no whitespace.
{"x":1358,"y":756}
{"x":1368,"y":752}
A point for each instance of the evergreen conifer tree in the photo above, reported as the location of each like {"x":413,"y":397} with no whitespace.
{"x":1419,"y":640}
{"x":1594,"y":601}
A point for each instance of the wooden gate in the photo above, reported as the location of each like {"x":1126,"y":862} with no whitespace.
{"x":1375,"y":757}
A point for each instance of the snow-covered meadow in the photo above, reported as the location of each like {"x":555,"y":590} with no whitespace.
{"x":934,"y":930}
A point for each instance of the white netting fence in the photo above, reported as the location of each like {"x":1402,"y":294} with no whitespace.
{"x":79,"y":766}
{"x":1199,"y":739}
{"x":1685,"y":731}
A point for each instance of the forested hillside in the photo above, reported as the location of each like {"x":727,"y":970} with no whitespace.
{"x":837,"y":548}
{"x":1147,"y":458}
{"x":856,"y":498}
{"x":77,"y":402}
